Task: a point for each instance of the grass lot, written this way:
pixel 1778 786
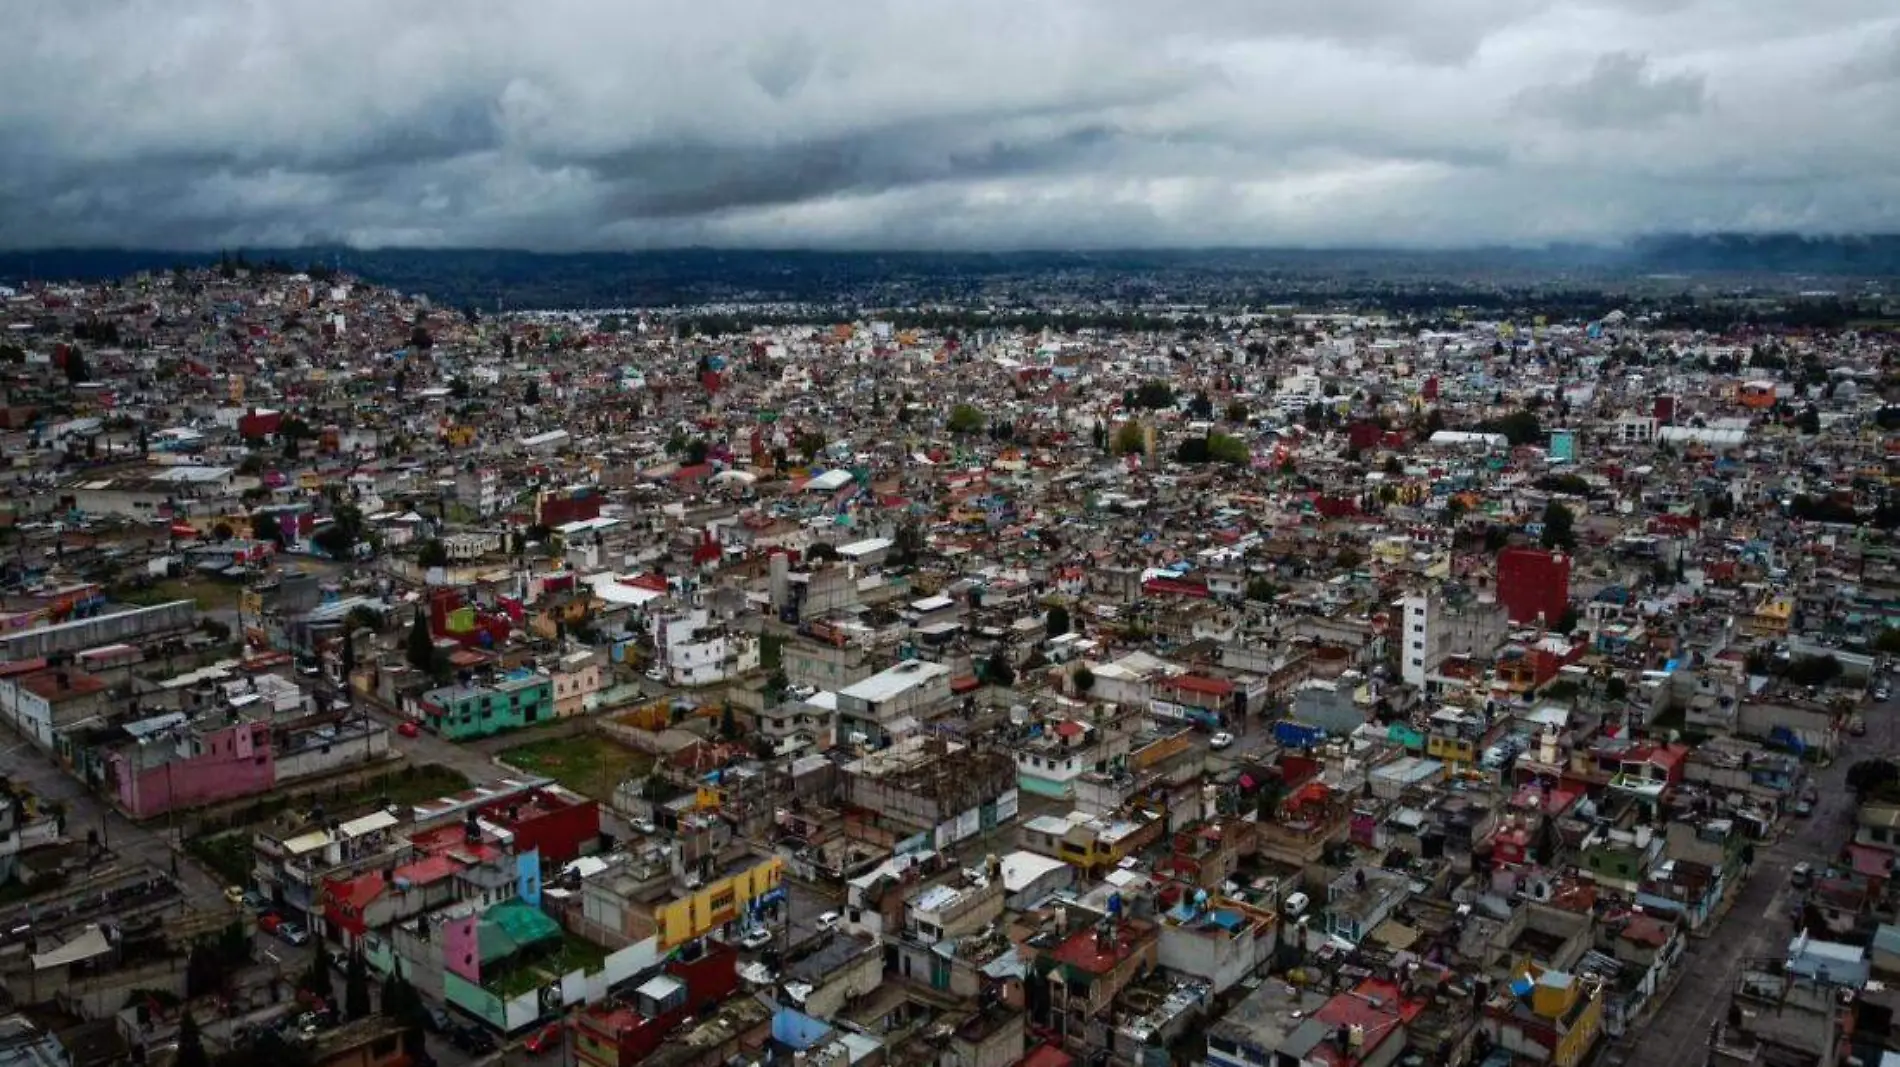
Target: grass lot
pixel 228 855
pixel 211 594
pixel 588 764
pixel 410 785
pixel 575 954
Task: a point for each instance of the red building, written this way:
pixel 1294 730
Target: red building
pixel 559 509
pixel 611 1036
pixel 1533 585
pixel 556 822
pixel 259 423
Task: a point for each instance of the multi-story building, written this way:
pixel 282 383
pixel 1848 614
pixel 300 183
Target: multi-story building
pixel 693 650
pixel 875 707
pixel 479 490
pixel 181 763
pixel 1533 585
pixel 462 711
pixel 1437 626
pixel 577 677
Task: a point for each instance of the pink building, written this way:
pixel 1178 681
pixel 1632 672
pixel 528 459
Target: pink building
pixel 192 767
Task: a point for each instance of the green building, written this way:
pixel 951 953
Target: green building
pixel 459 712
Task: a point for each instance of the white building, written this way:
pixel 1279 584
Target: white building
pixel 694 650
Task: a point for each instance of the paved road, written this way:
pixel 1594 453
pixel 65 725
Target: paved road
pixel 1758 925
pixel 85 812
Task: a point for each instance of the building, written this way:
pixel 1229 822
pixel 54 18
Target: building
pixel 1547 1017
pixel 1439 625
pixel 1533 585
pixel 876 707
pixel 463 711
pixel 614 1035
pixel 479 490
pixel 180 764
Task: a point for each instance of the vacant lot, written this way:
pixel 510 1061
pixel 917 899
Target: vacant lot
pixel 589 764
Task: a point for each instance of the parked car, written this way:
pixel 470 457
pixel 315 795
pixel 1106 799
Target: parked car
pixel 1220 740
pixel 1882 694
pixel 828 922
pixel 1803 808
pixel 234 895
pixel 255 901
pixel 437 1019
pixel 292 934
pixel 408 728
pixel 269 921
pixel 1857 726
pixel 546 1039
pixel 472 1039
pixel 756 938
pixel 646 826
pixel 1802 874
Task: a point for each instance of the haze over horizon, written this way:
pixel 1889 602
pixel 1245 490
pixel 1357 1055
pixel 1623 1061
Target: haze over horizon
pixel 585 124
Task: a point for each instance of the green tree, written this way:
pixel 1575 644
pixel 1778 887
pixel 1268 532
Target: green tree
pixel 1809 421
pixel 1261 591
pixel 1616 689
pixel 1559 527
pixel 1130 438
pixel 421 650
pixel 1056 622
pixel 1236 412
pixel 964 419
pixel 1154 395
pixel 340 536
pixel 532 396
pixel 356 1003
pixel 1888 641
pixel 1083 679
pixel 997 670
pixel 191 1044
pixel 316 977
pixel 1872 776
pixel 432 553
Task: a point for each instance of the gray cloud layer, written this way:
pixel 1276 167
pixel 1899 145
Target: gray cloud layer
pixel 568 124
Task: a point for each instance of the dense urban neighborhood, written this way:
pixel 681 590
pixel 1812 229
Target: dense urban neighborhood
pixel 390 684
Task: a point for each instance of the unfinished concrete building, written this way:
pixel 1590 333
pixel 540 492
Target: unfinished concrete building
pixel 929 786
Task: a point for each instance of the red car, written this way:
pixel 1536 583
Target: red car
pixel 409 729
pixel 269 922
pixel 546 1039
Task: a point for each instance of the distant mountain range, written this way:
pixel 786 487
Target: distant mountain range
pixel 491 278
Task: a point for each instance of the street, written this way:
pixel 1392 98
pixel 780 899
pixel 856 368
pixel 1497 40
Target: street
pixel 130 842
pixel 1758 925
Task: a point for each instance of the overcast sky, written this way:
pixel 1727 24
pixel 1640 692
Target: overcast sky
pixel 563 124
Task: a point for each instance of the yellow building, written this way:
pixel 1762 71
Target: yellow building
pixel 711 906
pixel 1548 1016
pixel 1771 618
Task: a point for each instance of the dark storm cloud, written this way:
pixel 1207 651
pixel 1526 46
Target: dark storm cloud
pixel 625 123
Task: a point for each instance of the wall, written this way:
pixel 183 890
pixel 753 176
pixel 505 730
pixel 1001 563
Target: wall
pixel 1532 582
pixel 228 767
pixel 338 755
pixel 856 978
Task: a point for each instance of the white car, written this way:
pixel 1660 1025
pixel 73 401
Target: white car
pixel 828 922
pixel 756 938
pixel 1220 740
pixel 646 826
